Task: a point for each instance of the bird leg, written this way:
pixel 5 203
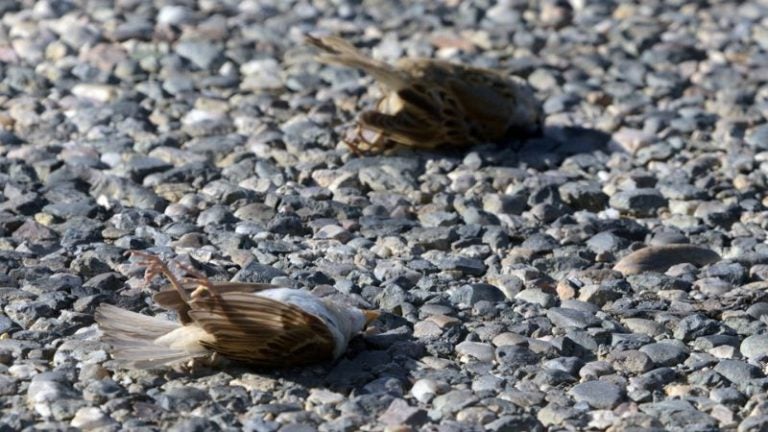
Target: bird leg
pixel 156 267
pixel 204 285
pixel 196 364
pixel 353 142
pixel 372 146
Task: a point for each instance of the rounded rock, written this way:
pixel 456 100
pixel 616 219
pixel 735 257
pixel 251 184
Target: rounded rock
pixel 597 394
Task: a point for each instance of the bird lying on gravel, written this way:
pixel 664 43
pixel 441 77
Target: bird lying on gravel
pixel 260 324
pixel 434 104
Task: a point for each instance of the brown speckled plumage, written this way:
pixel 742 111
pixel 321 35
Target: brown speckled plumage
pixel 431 104
pixel 260 324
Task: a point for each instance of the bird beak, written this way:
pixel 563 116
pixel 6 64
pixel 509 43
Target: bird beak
pixel 371 316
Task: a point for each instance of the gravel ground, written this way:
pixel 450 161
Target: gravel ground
pixel 206 131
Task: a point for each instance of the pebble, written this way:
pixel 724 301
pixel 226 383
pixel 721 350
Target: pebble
pixel 478 351
pixel 643 202
pixel 91 418
pixel 400 413
pixel 474 293
pixel 738 372
pixel 660 258
pixel 754 346
pixel 758 137
pixel 425 389
pixel 536 296
pixel 185 129
pixel 566 317
pixel 598 394
pixel 665 353
pixel 453 401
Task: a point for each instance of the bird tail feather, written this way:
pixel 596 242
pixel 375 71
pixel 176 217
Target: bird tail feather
pixel 339 51
pixel 133 338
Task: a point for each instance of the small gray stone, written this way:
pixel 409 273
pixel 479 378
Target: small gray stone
pixel 513 356
pixel 737 371
pixel 453 401
pixel 679 415
pixel 90 418
pixel 540 243
pixel 514 423
pixel 255 272
pixel 696 325
pixel 584 196
pixel 598 394
pixel 504 204
pixel 643 202
pixel 536 296
pixel 425 389
pixel 333 232
pixel 472 293
pixel 727 396
pixel 755 423
pixel 662 257
pixel 201 53
pixel 400 413
pixel 566 318
pixel 755 346
pixel 606 242
pixel 666 353
pixel 481 351
pixel 757 137
pixel 470 266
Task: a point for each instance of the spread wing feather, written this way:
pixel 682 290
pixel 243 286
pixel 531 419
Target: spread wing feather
pixel 262 331
pixel 172 300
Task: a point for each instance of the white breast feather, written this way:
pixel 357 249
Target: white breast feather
pixel 312 305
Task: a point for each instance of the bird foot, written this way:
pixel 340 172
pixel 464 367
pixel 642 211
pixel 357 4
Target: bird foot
pixel 198 363
pixel 156 267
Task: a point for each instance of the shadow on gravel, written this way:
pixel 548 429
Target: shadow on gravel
pixel 545 152
pixel 385 352
pixel 380 361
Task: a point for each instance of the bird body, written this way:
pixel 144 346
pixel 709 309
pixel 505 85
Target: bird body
pixel 260 324
pixel 431 104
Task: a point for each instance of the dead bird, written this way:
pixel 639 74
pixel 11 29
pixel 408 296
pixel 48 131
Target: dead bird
pixel 434 104
pixel 260 324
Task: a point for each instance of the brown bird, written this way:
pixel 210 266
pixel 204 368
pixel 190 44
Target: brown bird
pixel 261 324
pixel 430 104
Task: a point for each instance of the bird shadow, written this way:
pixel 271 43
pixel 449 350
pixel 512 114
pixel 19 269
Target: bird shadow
pixel 386 351
pixel 547 151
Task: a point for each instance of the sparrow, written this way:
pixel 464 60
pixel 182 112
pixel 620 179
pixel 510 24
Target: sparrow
pixel 435 104
pixel 260 324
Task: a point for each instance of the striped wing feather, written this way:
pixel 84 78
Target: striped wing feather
pixel 170 298
pixel 262 331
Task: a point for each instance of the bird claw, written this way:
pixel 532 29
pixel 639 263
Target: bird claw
pixel 202 287
pixel 203 284
pixel 194 365
pixel 156 267
pixel 360 145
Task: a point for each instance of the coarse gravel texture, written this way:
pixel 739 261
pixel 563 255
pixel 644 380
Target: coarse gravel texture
pixel 205 131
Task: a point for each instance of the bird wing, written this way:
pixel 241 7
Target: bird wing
pixel 171 299
pixel 483 104
pixel 339 51
pixel 493 102
pixel 262 331
pixel 403 127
